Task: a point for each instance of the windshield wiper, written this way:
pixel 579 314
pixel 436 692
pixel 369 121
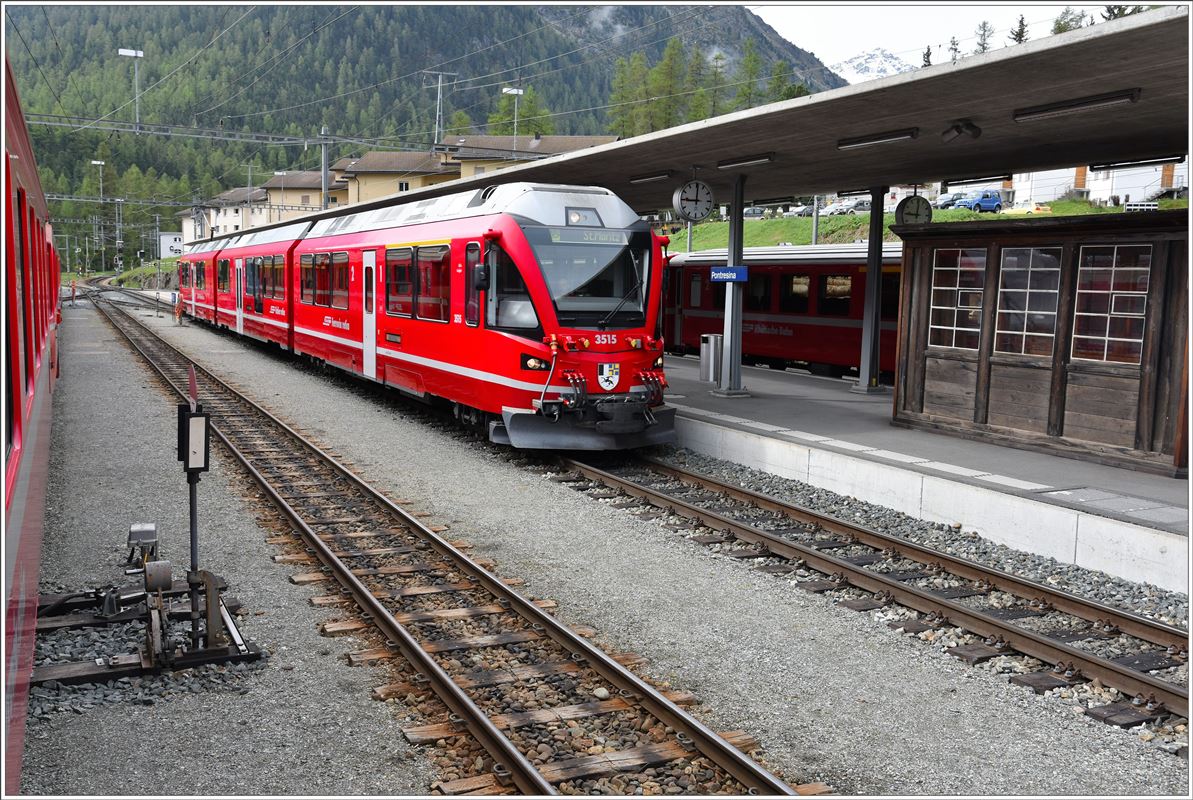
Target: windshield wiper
pixel 605 320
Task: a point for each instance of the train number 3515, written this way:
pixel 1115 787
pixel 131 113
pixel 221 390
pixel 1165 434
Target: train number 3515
pixel 606 338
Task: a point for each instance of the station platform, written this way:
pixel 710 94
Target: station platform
pixel 1130 524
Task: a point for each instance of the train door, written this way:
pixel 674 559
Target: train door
pixel 257 284
pixel 239 293
pixel 369 334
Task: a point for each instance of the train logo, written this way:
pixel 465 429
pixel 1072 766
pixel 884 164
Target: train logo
pixel 608 375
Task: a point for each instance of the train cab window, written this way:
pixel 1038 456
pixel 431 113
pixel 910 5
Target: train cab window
pixel 833 298
pixel 307 273
pixel 323 279
pixel 277 280
pixel 793 293
pixel 399 281
pixel 221 276
pixel 339 280
pixel 434 282
pixel 758 293
pixel 184 275
pixel 695 290
pixel 889 307
pixel 200 274
pixel 508 304
pixel 472 307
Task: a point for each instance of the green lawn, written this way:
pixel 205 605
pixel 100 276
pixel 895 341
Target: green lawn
pixel 851 228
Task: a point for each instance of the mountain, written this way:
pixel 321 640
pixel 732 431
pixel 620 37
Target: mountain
pixel 872 64
pixel 370 72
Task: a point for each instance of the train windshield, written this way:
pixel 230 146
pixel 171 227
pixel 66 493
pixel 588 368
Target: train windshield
pixel 598 278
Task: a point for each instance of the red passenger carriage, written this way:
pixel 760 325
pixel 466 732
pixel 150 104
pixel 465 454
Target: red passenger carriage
pixel 802 305
pixel 196 279
pixel 31 306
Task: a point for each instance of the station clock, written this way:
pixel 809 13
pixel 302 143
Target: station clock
pixel 914 210
pixel 693 201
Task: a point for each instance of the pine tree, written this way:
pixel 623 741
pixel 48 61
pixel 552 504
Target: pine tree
pixel 1019 33
pixel 984 32
pixel 460 124
pixel 779 87
pixel 748 73
pixel 954 50
pixel 666 83
pixel 699 107
pixel 533 116
pixel 621 110
pixel 1117 12
pixel 716 86
pixel 1068 20
pixel 927 57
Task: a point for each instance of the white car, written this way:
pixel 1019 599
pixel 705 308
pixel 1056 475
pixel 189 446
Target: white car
pixel 795 211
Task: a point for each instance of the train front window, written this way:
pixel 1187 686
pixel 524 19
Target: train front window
pixel 597 277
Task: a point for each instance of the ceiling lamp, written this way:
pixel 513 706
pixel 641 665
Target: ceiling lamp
pixel 1090 103
pixel 878 138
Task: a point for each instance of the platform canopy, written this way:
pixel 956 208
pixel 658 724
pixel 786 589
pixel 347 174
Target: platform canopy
pixel 1137 65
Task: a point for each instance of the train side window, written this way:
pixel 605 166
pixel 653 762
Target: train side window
pixel 758 293
pixel 250 276
pixel 889 307
pixel 22 263
pixel 323 279
pixel 695 290
pixel 509 304
pixel 184 275
pixel 399 281
pixel 718 295
pixel 307 292
pixel 339 280
pixel 200 275
pixel 16 315
pixel 793 293
pixel 434 282
pixel 221 276
pixel 278 280
pixel 833 298
pixel 472 305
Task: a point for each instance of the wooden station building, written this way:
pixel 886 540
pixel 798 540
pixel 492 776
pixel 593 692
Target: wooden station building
pixel 1065 334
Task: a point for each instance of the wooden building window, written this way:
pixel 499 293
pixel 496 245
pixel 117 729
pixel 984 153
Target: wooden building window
pixel 958 275
pixel 1027 292
pixel 1112 286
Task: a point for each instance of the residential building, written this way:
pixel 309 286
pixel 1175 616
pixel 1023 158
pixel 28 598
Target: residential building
pixel 381 173
pixel 296 193
pixel 476 155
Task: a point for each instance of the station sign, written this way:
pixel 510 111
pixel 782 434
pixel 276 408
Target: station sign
pixel 729 274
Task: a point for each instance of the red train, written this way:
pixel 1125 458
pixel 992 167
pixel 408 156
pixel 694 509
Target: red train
pixel 802 306
pixel 31 281
pixel 533 310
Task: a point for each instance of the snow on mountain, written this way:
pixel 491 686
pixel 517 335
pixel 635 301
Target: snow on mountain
pixel 876 63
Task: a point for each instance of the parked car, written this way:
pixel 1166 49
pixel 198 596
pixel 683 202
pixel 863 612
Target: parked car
pixel 981 200
pixel 1028 207
pixel 850 205
pixel 798 211
pixel 753 212
pixel 948 199
pixel 807 211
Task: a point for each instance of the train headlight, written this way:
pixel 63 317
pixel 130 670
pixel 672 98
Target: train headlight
pixel 658 363
pixel 534 362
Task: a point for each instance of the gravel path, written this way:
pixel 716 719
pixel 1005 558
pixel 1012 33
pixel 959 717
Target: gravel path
pixel 832 695
pixel 300 723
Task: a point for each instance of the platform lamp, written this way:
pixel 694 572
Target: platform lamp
pixel 103 254
pixel 516 92
pixel 136 56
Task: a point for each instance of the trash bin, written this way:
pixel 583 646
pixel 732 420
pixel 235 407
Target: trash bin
pixel 710 357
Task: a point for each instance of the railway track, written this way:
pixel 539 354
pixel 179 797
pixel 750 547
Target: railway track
pixel 552 712
pixel 1012 614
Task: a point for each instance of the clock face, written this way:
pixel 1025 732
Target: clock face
pixel 693 200
pixel 914 210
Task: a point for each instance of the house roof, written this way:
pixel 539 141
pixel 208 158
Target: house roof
pixel 396 161
pixel 516 148
pixel 305 179
pixel 239 196
pixel 344 163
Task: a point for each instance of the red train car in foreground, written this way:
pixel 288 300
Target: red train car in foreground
pixel 802 306
pixel 31 310
pixel 533 310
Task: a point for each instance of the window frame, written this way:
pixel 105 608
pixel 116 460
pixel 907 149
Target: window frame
pixel 339 280
pixel 1004 312
pixel 822 298
pixel 473 299
pixel 1111 295
pixel 411 280
pixel 444 266
pixel 786 283
pixel 935 300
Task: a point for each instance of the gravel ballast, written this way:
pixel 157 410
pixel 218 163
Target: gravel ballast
pixel 831 694
pixel 299 722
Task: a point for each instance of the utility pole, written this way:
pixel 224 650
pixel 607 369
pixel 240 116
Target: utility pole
pixel 438 104
pixel 815 217
pixel 157 236
pixel 120 234
pixel 103 250
pixel 323 141
pixel 516 93
pixel 248 200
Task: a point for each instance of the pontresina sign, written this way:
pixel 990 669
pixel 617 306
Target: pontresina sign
pixel 729 275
